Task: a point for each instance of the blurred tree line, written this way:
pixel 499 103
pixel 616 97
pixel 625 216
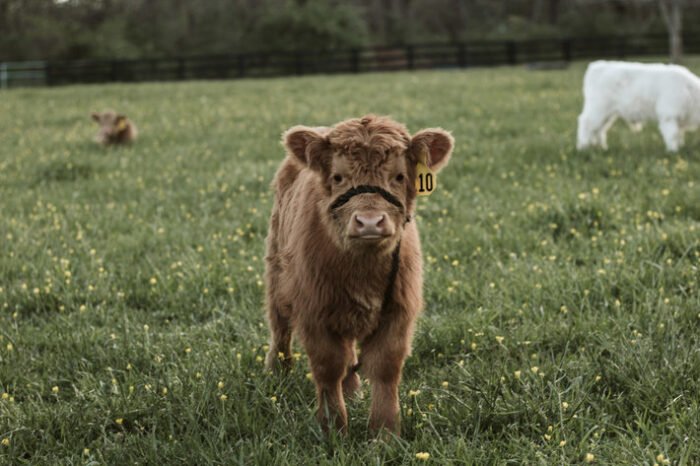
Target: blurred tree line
pixel 81 29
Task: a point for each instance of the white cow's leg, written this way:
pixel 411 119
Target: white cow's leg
pixel 590 123
pixel 672 134
pixel 603 131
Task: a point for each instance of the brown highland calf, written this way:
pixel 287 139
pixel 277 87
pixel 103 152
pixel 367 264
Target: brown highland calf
pixel 114 128
pixel 343 258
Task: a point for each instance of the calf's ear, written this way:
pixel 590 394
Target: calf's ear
pixel 436 143
pixel 308 145
pixel 95 116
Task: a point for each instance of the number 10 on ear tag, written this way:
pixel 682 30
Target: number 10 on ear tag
pixel 426 181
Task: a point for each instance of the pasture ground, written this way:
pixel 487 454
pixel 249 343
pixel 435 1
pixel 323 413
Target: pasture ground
pixel 563 305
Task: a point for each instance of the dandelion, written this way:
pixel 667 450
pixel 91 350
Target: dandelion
pixel 86 451
pixel 589 458
pixel 273 399
pixel 164 391
pixel 10 347
pixel 445 384
pixel 5 442
pixel 423 456
pixel 517 374
pixel 473 346
pixel 153 281
pixel 534 369
pixel 500 339
pixel 119 421
pixel 220 385
pixel 562 443
pixel 661 459
pixel 414 393
pixel 55 389
pixel 5 396
pixel 309 376
pixel 223 397
pixel 564 405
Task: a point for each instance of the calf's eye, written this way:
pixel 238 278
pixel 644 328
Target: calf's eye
pixel 399 177
pixel 337 178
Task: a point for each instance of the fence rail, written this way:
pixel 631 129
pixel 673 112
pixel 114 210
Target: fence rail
pixel 388 58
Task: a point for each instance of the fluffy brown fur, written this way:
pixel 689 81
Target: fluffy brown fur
pixel 327 272
pixel 114 128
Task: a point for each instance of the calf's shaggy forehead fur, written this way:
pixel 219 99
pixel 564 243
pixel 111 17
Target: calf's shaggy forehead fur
pixel 370 140
pixel 333 287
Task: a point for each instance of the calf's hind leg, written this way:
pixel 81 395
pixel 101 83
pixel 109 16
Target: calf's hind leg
pixel 351 382
pixel 280 353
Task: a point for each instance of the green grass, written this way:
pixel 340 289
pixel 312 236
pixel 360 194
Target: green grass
pixel 562 288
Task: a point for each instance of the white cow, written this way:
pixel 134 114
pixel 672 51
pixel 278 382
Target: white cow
pixel 638 92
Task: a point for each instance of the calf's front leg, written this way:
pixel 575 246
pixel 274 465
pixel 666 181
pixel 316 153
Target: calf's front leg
pixel 382 358
pixel 330 357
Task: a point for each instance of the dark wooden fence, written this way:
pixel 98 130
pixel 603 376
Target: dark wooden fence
pixel 541 52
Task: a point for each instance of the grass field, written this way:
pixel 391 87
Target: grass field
pixel 562 319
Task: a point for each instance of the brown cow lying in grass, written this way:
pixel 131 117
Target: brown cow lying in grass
pixel 343 258
pixel 114 128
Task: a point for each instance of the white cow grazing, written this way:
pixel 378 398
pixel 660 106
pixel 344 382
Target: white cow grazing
pixel 638 92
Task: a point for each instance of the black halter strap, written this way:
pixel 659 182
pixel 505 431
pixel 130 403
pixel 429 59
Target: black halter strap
pixel 389 287
pixel 364 189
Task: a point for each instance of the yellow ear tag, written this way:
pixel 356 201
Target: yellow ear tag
pixel 121 126
pixel 426 181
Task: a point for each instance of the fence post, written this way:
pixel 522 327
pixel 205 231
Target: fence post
pixel 241 66
pixel 113 75
pixel 355 61
pixel 566 49
pixel 48 74
pixel 461 55
pixel 511 52
pixel 621 46
pixel 3 75
pixel 181 68
pixel 410 57
pixel 298 63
